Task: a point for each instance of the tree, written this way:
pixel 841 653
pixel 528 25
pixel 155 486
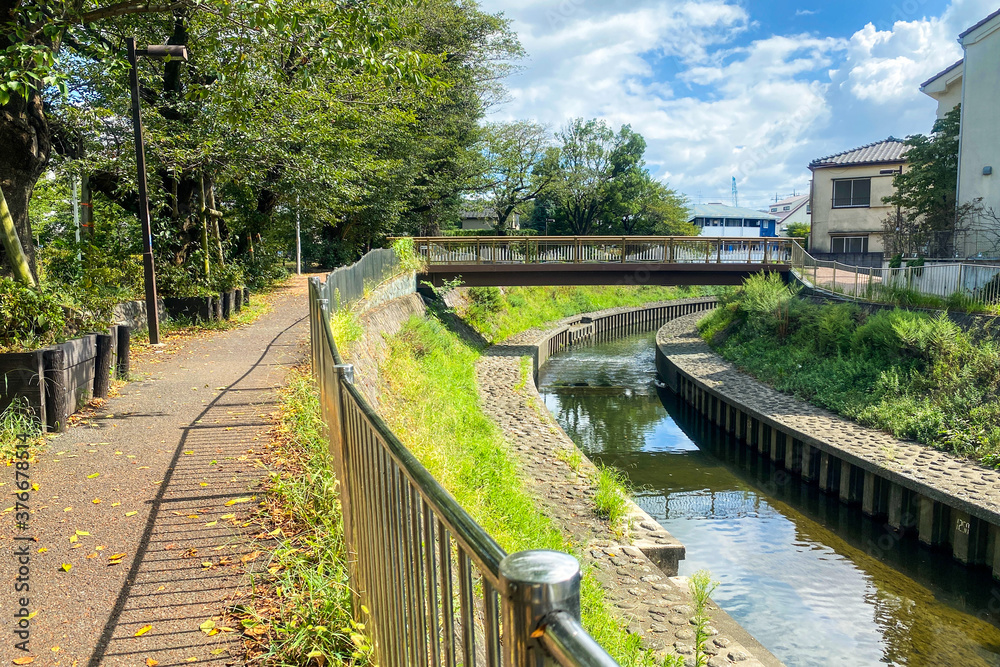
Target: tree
pixel 592 156
pixel 925 193
pixel 518 163
pixel 639 204
pixel 303 41
pixel 799 230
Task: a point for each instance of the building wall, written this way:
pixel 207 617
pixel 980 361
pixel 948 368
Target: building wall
pixel 798 216
pixel 949 99
pixel 827 220
pixel 980 143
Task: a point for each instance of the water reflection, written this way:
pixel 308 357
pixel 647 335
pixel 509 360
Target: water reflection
pixel 814 581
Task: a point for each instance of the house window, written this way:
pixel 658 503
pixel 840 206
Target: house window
pixel 730 222
pixel 753 223
pixel 774 209
pixel 787 208
pixel 852 193
pixel 849 244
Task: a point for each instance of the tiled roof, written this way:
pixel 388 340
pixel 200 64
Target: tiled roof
pixel 889 150
pixel 981 23
pixel 941 73
pixel 724 211
pixel 484 213
pixel 795 203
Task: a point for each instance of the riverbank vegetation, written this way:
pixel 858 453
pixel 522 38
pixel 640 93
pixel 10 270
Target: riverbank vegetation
pixel 500 313
pixel 432 402
pixel 915 375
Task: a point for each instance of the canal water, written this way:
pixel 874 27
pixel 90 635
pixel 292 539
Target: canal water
pixel 814 581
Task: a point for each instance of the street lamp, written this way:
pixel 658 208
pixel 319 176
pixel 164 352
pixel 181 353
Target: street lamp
pixel 157 51
pixel 547 221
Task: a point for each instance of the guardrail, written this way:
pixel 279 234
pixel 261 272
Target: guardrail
pixel 603 250
pixel 970 283
pixel 439 589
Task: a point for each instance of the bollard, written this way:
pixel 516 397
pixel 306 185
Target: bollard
pixel 102 370
pixel 121 356
pixel 535 584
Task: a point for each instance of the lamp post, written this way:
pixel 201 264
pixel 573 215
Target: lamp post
pixel 547 221
pixel 158 51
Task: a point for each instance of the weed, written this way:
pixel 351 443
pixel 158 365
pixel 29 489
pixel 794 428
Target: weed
pixel 18 422
pixel 527 368
pixel 346 328
pixel 611 499
pixel 701 587
pixel 572 457
pixel 314 623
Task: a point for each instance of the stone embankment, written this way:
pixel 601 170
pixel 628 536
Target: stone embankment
pixel 638 569
pixel 947 501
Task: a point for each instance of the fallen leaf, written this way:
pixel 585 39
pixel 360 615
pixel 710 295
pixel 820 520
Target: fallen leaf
pixel 143 630
pixel 250 556
pixel 115 504
pixel 151 663
pixel 82 533
pixel 66 567
pixel 207 626
pixel 206 564
pixel 68 509
pixel 218 651
pixel 211 523
pixel 96 501
pixel 72 539
pixel 130 513
pixel 26 660
pixel 96 474
pixel 228 516
pixel 238 500
pixel 43 550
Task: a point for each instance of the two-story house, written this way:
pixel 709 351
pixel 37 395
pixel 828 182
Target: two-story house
pixel 847 209
pixel 719 219
pixel 974 82
pixel 791 210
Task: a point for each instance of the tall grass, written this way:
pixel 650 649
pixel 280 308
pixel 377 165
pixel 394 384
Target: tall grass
pixel 498 314
pixel 432 403
pixel 309 587
pixel 915 375
pixel 18 423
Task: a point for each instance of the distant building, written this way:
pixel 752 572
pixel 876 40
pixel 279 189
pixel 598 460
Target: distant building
pixel 486 218
pixel 791 210
pixel 847 207
pixel 974 82
pixel 723 220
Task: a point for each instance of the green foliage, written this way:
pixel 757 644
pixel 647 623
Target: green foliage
pixel 701 587
pixel 526 307
pixel 346 328
pixel 486 300
pixel 409 260
pixel 914 375
pixel 800 230
pixel 433 404
pixel 17 421
pixel 611 498
pixel 226 278
pixel 315 618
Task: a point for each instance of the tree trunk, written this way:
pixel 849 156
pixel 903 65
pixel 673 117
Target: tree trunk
pixel 25 143
pixel 13 249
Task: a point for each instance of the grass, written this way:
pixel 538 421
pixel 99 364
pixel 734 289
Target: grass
pixel 432 403
pixel 17 424
pixel 917 376
pixel 498 314
pixel 701 586
pixel 611 499
pixel 302 613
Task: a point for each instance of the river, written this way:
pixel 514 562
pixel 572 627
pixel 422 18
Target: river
pixel 814 581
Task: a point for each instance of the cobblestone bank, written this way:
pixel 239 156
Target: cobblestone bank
pixel 946 500
pixel 656 606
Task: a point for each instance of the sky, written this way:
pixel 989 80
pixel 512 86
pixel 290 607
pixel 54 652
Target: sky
pixel 752 89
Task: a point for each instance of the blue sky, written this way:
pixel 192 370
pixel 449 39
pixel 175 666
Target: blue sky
pixel 721 88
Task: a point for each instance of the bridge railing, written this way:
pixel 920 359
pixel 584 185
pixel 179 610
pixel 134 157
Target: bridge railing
pixel 603 250
pixel 438 588
pixel 967 284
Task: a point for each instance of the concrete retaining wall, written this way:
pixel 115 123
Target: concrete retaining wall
pixel 948 502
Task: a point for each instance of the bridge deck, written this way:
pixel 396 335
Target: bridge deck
pixel 629 260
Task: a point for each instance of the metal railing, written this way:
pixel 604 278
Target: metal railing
pixel 439 589
pixel 970 283
pixel 603 249
pixel 348 283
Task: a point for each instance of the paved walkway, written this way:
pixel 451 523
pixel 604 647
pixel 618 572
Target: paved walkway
pixel 165 476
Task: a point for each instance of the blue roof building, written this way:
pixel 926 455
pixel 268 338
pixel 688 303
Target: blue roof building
pixel 732 221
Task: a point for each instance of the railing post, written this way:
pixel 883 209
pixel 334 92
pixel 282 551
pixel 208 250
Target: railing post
pixel 533 585
pixel 623 250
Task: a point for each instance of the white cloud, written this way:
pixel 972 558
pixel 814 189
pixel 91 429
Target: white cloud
pixel 806 12
pixel 712 104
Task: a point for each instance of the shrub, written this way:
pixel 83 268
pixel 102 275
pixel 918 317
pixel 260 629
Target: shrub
pixel 489 299
pixel 29 317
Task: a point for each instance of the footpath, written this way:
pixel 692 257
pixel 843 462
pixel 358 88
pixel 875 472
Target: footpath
pixel 138 530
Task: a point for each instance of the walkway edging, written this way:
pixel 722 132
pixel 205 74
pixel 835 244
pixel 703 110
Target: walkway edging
pixel 860 465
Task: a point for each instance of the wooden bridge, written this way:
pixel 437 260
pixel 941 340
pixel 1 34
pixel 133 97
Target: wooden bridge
pixel 601 260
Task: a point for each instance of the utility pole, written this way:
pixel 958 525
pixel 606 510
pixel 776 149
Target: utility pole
pixel 76 219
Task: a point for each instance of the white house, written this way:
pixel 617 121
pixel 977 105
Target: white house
pixel 791 210
pixel 731 221
pixel 486 218
pixel 974 82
